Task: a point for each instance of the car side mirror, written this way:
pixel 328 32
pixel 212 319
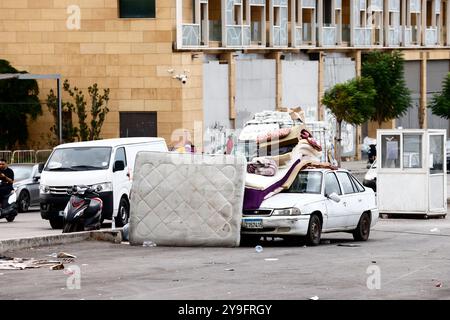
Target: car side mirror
pixel 36 178
pixel 119 165
pixel 334 197
pixel 369 166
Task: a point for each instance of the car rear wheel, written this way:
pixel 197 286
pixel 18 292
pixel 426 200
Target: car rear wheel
pixel 24 201
pixel 362 231
pixel 314 231
pixel 56 223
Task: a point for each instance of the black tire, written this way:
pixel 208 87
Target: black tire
pixel 314 231
pixel 362 231
pixel 70 227
pixel 249 240
pixel 10 218
pixel 123 213
pixel 56 223
pixel 24 201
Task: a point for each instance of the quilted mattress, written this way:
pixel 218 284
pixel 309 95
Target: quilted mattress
pixel 187 199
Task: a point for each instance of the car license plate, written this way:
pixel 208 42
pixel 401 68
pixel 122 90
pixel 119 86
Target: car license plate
pixel 61 213
pixel 252 223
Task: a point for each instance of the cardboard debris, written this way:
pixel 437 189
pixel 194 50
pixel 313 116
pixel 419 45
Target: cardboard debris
pixel 58 266
pixel 7 263
pixel 66 255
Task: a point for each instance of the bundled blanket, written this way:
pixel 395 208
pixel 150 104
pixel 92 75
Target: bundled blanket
pixel 262 166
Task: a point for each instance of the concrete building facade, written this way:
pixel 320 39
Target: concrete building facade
pixel 211 64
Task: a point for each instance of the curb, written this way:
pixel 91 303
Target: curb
pixel 114 236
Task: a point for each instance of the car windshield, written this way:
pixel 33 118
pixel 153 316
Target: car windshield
pixel 79 159
pixel 306 182
pixel 21 172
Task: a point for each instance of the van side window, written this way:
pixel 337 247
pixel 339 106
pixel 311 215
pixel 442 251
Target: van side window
pixel 121 156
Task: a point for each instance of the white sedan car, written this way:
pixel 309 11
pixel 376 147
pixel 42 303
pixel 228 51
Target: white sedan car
pixel 319 201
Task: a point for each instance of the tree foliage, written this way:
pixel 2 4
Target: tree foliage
pixel 352 102
pixel 440 104
pixel 392 96
pixel 18 102
pixel 69 132
pixel 97 105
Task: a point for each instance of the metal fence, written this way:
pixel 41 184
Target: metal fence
pixel 25 156
pixel 6 154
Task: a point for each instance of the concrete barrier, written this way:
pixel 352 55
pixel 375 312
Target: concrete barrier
pixel 114 236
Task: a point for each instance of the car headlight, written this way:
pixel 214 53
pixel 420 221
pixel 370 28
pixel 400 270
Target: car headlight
pixel 43 189
pixel 102 187
pixel 286 212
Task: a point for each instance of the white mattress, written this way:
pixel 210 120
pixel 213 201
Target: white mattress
pixel 187 200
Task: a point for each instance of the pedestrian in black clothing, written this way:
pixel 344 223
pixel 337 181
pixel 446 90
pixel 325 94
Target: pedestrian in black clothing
pixel 6 182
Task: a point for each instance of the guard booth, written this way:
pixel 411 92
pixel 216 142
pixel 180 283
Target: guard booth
pixel 412 172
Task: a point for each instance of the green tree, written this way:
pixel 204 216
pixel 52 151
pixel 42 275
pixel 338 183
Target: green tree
pixel 79 108
pixel 98 110
pixel 69 132
pixel 440 104
pixel 352 102
pixel 392 96
pixel 18 102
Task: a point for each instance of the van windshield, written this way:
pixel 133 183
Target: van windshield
pixel 79 159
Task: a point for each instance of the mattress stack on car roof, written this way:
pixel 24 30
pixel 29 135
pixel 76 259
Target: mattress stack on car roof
pixel 288 146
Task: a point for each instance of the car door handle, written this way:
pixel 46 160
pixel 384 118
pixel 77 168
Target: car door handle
pixel 359 200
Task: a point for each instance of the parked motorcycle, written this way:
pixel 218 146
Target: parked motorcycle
pixel 83 211
pixel 10 212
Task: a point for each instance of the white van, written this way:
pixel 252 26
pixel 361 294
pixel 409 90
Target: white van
pixel 107 164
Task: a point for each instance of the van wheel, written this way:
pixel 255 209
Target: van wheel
pixel 314 231
pixel 362 231
pixel 123 213
pixel 56 223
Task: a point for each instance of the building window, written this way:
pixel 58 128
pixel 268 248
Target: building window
pixel 137 9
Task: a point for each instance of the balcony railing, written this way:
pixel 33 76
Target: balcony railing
pixel 329 36
pixel 191 35
pixel 414 6
pixel 234 36
pixel 309 3
pixel 407 36
pixel 377 5
pixel 278 38
pixel 363 36
pixel 431 36
pixel 394 36
pixel 394 5
pixel 307 34
pixel 298 36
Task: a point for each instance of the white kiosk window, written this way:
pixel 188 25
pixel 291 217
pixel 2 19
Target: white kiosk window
pixel 436 154
pixel 412 150
pixel 390 145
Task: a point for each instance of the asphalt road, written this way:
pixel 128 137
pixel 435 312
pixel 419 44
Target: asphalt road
pixel 411 257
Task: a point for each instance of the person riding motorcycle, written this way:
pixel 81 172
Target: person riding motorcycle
pixel 6 183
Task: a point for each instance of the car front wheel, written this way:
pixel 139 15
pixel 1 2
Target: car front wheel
pixel 24 201
pixel 314 231
pixel 123 213
pixel 362 231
